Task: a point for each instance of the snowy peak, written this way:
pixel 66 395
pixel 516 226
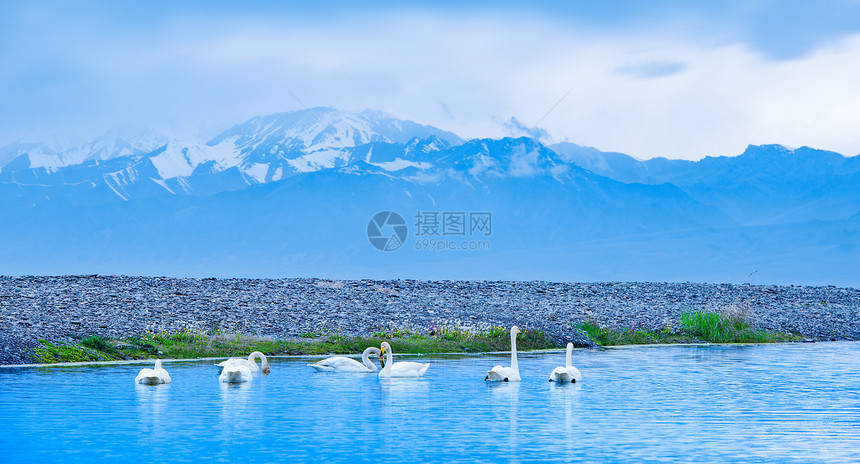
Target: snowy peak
pixel 507 157
pixel 274 146
pixel 323 128
pixel 21 156
pixel 766 155
pixel 767 150
pixel 262 149
pixel 115 144
pixel 418 153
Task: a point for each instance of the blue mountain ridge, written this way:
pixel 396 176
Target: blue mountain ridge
pixel 768 184
pixel 296 198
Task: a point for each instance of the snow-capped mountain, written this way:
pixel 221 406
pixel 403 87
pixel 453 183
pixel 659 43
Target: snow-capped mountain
pixel 291 194
pixel 116 143
pixel 787 184
pixel 270 148
pixel 262 149
pixel 20 156
pixel 314 139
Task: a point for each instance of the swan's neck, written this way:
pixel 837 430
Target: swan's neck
pixel 157 364
pixel 569 353
pixel 389 359
pixel 264 363
pixel 514 351
pixel 365 358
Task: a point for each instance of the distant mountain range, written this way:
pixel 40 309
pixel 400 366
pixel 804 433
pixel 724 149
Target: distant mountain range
pixel 292 194
pixel 264 149
pixel 768 184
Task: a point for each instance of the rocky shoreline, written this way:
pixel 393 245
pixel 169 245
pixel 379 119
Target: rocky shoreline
pixel 66 308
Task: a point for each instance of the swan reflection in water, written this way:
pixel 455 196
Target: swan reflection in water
pixel 507 394
pixel 236 404
pixel 152 407
pixel 564 397
pixel 152 399
pixel 402 392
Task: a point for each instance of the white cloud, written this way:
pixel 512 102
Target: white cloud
pixel 523 162
pixel 645 93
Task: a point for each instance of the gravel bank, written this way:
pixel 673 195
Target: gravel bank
pixel 69 307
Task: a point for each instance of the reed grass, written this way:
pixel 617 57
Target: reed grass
pixel 726 325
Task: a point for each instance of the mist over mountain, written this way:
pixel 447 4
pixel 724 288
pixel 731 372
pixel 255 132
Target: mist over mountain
pixel 291 194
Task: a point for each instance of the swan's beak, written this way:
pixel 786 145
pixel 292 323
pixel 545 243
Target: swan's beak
pixel 266 370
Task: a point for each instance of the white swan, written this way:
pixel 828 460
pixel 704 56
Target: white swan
pixel 155 376
pixel 568 373
pixel 250 363
pixel 507 374
pixel 399 369
pixel 344 364
pixel 236 373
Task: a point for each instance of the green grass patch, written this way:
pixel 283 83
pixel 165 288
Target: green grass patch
pixel 189 344
pixel 48 352
pixel 605 336
pixel 728 326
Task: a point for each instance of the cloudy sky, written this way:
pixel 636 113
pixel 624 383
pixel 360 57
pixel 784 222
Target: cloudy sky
pixel 668 78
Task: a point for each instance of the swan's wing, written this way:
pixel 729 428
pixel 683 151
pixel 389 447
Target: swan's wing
pixel 240 362
pixel 574 373
pixel 559 374
pixel 321 367
pixel 342 364
pixel 408 369
pixel 494 376
pixel 234 367
pixel 332 361
pixel 512 374
pixel 499 374
pixel 152 376
pixel 163 375
pixel 409 364
pixel 144 376
pixel 235 373
pixel 227 362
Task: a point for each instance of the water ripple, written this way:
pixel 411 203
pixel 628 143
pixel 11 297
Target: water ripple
pixel 791 403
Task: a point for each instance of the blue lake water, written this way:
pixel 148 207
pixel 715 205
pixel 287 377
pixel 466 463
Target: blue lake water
pixel 788 403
